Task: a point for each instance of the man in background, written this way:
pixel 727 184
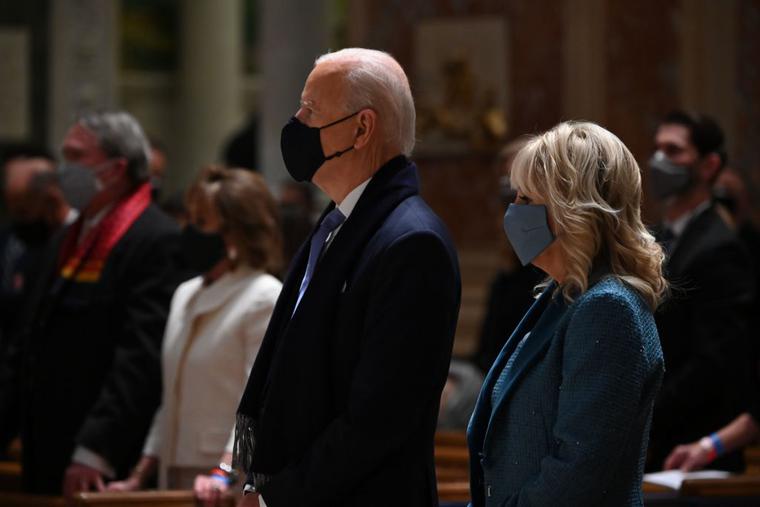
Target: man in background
pixel 89 377
pixel 36 209
pixel 703 327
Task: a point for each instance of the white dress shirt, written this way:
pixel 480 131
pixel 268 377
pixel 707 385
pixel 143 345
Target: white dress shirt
pixel 678 225
pixel 346 207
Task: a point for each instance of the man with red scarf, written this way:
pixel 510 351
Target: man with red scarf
pixel 89 373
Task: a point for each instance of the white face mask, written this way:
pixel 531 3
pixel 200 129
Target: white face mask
pixel 79 183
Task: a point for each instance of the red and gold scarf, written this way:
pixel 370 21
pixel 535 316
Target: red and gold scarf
pixel 83 261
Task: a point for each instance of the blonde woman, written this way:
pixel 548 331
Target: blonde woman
pixel 563 416
pixel 216 324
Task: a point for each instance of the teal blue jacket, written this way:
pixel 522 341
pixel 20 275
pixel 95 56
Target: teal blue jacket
pixel 571 425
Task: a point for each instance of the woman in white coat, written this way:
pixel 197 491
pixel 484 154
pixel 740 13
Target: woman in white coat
pixel 215 326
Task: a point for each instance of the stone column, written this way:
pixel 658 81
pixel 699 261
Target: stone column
pixel 83 61
pixel 584 60
pixel 293 34
pixel 209 83
pixel 708 32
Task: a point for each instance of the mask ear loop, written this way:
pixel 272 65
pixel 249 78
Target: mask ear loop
pixel 340 152
pixel 340 120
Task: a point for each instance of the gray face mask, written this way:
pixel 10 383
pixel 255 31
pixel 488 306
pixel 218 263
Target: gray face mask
pixel 527 229
pixel 667 179
pixel 79 184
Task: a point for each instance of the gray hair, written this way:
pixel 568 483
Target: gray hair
pixel 120 135
pixel 375 79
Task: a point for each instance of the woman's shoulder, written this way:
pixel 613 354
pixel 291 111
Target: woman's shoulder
pixel 613 304
pixel 611 290
pixel 188 288
pixel 613 316
pixel 261 286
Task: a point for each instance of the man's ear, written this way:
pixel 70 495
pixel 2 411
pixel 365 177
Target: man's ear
pixel 367 122
pixel 709 167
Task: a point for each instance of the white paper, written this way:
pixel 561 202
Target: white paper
pixel 673 479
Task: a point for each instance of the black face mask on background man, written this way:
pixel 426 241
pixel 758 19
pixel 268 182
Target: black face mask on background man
pixel 302 150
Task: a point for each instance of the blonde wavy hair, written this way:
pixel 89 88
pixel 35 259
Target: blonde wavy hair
pixel 592 187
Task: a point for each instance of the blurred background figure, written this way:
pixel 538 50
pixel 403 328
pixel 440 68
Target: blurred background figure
pixel 512 289
pixel 731 195
pixel 299 214
pixel 241 150
pixel 157 166
pixel 742 431
pixel 37 210
pixel 88 378
pixel 216 323
pixel 510 294
pixel 704 325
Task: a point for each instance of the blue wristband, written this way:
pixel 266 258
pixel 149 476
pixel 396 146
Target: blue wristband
pixel 718 444
pixel 224 480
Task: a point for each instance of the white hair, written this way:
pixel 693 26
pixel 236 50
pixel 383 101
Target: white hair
pixel 375 79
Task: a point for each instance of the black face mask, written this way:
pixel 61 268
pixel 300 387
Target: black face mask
pixel 32 234
pixel 202 251
pixel 301 148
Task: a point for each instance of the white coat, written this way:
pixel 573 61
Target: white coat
pixel 211 340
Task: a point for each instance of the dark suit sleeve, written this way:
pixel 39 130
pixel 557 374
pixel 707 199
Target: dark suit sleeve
pixel 13 364
pixel 604 372
pixel 407 340
pixel 10 387
pixel 119 420
pixel 717 326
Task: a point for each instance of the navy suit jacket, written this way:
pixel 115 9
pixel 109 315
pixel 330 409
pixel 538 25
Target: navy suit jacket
pixel 341 404
pixel 571 425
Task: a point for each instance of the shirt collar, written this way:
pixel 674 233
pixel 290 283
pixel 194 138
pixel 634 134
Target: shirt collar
pixel 71 216
pixel 348 204
pixel 90 223
pixel 678 225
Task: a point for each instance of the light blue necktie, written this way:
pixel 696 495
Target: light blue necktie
pixel 329 224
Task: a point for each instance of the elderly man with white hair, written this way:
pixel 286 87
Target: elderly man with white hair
pixel 341 404
pixel 90 375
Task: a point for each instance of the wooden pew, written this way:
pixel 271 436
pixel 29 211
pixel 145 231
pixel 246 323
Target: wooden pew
pixel 143 499
pixel 452 466
pixel 736 486
pixel 452 459
pixel 454 491
pixel 109 499
pixel 10 476
pixel 752 460
pixel 23 500
pixel 451 439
